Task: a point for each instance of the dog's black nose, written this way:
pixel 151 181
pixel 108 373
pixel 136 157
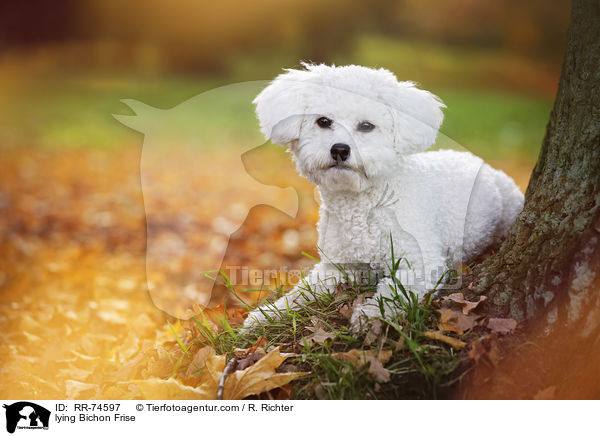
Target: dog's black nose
pixel 340 152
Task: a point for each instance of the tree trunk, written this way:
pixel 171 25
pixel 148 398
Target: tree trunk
pixel 550 262
pixel 546 274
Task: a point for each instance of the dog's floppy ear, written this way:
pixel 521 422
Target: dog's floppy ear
pixel 417 117
pixel 279 108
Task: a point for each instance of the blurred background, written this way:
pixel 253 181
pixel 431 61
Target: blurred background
pixel 73 288
pixel 65 65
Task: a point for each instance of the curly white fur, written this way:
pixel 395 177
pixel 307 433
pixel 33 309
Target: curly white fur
pixel 441 208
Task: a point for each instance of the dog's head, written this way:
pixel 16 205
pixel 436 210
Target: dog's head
pixel 347 126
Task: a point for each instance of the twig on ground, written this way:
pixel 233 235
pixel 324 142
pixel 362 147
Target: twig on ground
pixel 228 369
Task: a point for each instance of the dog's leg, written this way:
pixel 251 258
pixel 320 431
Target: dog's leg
pixel 417 279
pixel 386 299
pixel 322 279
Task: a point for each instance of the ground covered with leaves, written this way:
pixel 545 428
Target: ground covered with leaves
pixel 75 310
pixel 424 352
pixel 77 320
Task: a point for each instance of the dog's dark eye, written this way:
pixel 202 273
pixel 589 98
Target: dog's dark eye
pixel 365 126
pixel 324 122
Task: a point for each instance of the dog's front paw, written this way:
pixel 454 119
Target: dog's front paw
pixel 273 310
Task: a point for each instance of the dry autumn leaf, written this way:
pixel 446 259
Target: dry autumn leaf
pixel 211 373
pixel 198 361
pixel 502 325
pixel 446 327
pixel 260 377
pixel 319 334
pixel 169 389
pixel 439 336
pixel 467 306
pixel 456 321
pixel 234 315
pixel 255 379
pixel 374 359
pixel 85 236
pixel 203 388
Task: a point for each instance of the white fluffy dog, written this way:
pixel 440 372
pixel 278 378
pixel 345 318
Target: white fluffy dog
pixel 360 135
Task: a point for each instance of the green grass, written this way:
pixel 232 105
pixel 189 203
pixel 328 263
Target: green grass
pixel 75 111
pixel 496 125
pixel 419 367
pixel 487 113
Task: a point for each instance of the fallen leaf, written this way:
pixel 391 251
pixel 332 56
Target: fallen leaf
pixel 172 389
pixel 211 373
pixel 354 355
pixel 159 364
pixel 198 361
pixel 372 358
pixel 132 368
pixel 190 381
pixel 502 325
pixel 467 306
pixel 439 336
pixel 260 377
pixel 377 370
pixel 319 334
pixel 169 389
pixel 445 327
pixel 456 321
pixel 546 394
pixel 234 315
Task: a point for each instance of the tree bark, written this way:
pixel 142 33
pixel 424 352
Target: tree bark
pixel 549 265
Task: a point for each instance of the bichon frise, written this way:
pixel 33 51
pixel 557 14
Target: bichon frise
pixel 360 135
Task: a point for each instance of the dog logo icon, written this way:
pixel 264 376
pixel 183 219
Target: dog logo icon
pixel 26 415
pixel 196 128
